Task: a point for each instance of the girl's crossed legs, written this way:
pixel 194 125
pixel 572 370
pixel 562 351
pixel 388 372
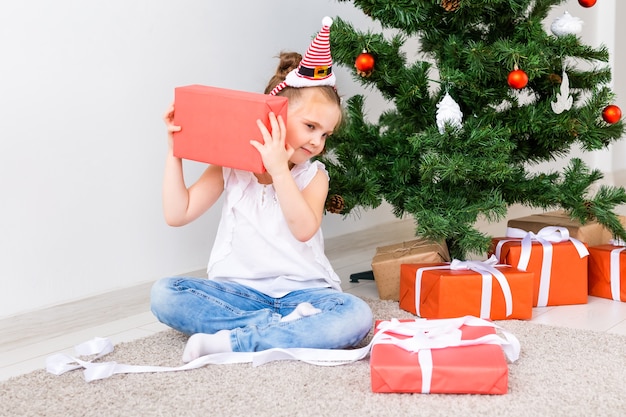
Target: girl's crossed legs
pixel 241 319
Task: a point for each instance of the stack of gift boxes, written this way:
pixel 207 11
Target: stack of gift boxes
pixel 544 260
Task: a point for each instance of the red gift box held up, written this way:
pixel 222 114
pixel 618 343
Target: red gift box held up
pixel 559 262
pixel 482 289
pixel 217 125
pixel 607 271
pixel 446 356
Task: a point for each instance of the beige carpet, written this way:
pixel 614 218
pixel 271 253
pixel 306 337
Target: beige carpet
pixel 561 372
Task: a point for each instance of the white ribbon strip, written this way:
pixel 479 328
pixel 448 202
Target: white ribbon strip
pixel 486 269
pixel 425 359
pixel 615 273
pixel 418 285
pixel 423 335
pixel 545 236
pixel 60 363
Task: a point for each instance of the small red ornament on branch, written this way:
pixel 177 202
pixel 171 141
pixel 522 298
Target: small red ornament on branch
pixel 587 3
pixel 364 64
pixel 517 78
pixel 612 114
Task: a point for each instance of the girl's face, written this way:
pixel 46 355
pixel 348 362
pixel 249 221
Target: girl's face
pixel 310 120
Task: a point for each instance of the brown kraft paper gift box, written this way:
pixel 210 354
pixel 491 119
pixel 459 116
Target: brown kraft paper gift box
pixel 387 260
pixel 592 233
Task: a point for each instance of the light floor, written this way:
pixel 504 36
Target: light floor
pixel 124 315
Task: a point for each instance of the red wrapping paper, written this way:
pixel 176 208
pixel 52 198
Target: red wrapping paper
pixel 218 125
pixel 600 272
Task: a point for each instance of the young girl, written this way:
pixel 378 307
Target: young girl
pixel 269 282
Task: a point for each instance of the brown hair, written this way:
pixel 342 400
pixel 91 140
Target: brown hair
pixel 288 62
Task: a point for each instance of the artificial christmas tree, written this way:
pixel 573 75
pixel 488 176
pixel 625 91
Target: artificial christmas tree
pixel 466 127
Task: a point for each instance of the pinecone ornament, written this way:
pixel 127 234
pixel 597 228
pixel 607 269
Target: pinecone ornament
pixel 335 204
pixel 555 78
pixel 451 5
pixel 589 206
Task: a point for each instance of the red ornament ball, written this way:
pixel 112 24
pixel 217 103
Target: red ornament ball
pixel 612 114
pixel 364 64
pixel 587 3
pixel 517 79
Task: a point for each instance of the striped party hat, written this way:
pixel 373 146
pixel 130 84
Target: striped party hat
pixel 316 67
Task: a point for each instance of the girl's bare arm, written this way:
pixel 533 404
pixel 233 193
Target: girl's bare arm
pixel 182 204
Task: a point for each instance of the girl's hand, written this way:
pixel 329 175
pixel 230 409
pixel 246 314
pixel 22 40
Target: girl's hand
pixel 274 152
pixel 168 118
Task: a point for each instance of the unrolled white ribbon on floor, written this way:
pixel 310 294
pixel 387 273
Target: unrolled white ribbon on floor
pixel 486 269
pixel 545 236
pixel 421 336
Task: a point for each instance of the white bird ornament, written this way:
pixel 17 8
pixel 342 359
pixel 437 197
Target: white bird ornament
pixel 564 100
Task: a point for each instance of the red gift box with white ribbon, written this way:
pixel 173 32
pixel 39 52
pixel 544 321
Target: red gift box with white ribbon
pixel 447 356
pixel 607 271
pixel 559 262
pixel 479 288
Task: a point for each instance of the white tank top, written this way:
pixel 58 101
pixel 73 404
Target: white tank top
pixel 254 245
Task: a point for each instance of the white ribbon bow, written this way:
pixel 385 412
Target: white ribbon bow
pixel 545 236
pixel 486 269
pixel 426 335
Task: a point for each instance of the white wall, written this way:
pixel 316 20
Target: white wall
pixel 601 28
pixel 619 79
pixel 83 85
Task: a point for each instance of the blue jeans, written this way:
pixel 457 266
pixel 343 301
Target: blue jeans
pixel 196 305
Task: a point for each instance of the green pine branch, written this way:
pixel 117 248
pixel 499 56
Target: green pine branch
pixel 447 180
